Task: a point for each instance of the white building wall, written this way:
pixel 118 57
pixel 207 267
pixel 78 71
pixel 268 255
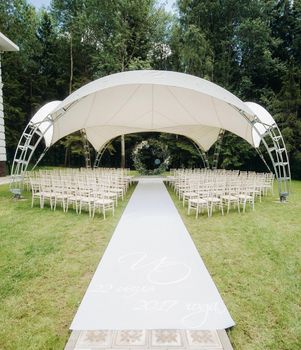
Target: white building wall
pixel 2 131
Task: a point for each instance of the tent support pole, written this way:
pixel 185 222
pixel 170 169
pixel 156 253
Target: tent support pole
pixel 100 154
pixel 202 154
pixel 217 149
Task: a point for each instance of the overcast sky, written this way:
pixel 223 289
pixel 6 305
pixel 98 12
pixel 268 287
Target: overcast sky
pixel 40 3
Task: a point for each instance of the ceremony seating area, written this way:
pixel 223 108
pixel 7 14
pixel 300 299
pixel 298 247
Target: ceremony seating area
pixel 209 190
pixel 91 189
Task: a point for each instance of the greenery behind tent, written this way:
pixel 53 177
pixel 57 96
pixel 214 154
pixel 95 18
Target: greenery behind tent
pixel 253 49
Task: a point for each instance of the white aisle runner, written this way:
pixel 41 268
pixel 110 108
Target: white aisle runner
pixel 151 275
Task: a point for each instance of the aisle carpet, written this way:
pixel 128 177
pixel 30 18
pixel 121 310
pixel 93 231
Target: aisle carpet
pixel 151 275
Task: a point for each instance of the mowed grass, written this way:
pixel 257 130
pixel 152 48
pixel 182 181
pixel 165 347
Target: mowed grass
pixel 254 259
pixel 47 260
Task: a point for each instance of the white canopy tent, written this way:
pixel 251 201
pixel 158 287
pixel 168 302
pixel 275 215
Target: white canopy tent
pixel 146 100
pixel 139 101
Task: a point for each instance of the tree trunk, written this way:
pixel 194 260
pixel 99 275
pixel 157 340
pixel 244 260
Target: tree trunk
pixel 66 157
pixel 71 64
pixel 122 152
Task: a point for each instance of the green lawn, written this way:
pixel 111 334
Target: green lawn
pixel 48 258
pixel 254 259
pixel 46 262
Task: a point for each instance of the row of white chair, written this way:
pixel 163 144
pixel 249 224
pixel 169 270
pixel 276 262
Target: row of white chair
pixel 206 190
pixel 92 190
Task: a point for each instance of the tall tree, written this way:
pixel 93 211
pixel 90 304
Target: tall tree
pixel 125 33
pixel 18 21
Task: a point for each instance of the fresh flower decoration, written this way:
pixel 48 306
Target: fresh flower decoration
pixel 151 157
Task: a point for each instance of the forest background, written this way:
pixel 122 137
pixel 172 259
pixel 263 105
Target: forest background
pixel 250 47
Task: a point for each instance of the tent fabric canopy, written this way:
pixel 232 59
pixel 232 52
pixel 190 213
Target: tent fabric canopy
pixel 146 100
pixel 46 127
pixel 6 44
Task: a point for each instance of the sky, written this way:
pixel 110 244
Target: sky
pixel 40 3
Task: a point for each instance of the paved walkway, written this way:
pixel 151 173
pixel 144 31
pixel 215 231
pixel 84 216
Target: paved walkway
pixel 166 339
pixel 151 287
pixel 4 180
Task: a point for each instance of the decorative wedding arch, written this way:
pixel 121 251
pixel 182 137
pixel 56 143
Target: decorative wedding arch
pixel 147 100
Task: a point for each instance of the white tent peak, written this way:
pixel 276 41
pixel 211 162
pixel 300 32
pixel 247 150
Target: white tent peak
pixel 156 77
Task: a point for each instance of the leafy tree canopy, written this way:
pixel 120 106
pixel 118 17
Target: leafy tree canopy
pixel 251 47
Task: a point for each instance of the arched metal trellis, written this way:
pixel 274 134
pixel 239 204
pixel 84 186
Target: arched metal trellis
pixel 28 143
pixel 203 155
pixel 100 154
pixel 30 139
pixel 274 143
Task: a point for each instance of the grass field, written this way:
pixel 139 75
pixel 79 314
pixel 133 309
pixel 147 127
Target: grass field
pixel 254 259
pixel 48 258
